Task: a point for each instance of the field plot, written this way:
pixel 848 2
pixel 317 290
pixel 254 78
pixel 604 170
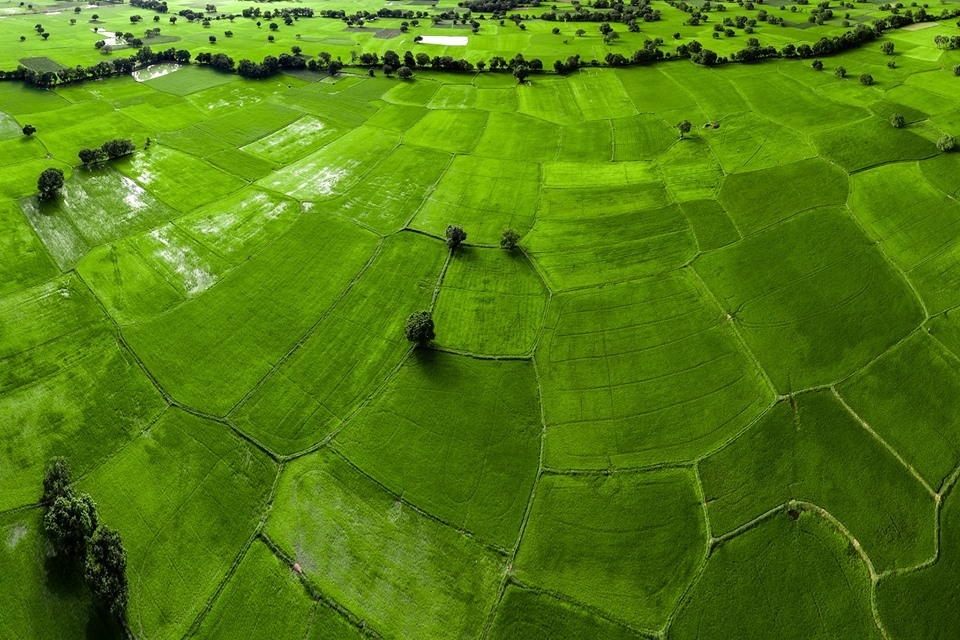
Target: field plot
pixel 802 566
pixel 818 453
pixel 334 522
pixel 477 478
pixel 492 302
pixel 187 494
pixel 316 387
pixel 917 604
pixel 525 613
pixel 917 225
pixel 264 599
pixel 605 355
pixel 813 299
pixel 712 392
pixel 483 195
pixel 274 299
pixel 578 542
pixel 66 387
pixel 909 397
pixel 332 170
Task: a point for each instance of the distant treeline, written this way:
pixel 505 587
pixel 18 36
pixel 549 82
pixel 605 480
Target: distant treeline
pixel 650 53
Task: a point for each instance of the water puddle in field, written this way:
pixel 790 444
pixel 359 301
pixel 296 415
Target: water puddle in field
pixel 450 41
pixel 155 71
pixel 108 41
pixel 16 535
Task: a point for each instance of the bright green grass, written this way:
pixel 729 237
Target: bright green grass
pixel 916 225
pixel 389 195
pixel 591 236
pixel 514 136
pixel 642 373
pixel 748 142
pixel 187 80
pixel 477 477
pixel 759 199
pixel 239 225
pixel 172 175
pixel 66 386
pixel 255 316
pixel 264 599
pixel 710 223
pixel 920 604
pixel 336 523
pixel 818 453
pixel 294 140
pixel 332 170
pixel 690 171
pixel 642 137
pixel 484 196
pixel 588 141
pixel 186 496
pixel 23 259
pixel 251 123
pixel 66 143
pixel 525 613
pixel 784 579
pixel 188 266
pixel 448 130
pixel 910 398
pixel 45 598
pixel 584 537
pixel 872 142
pixel 350 352
pixel 129 287
pixel 492 302
pixel 812 297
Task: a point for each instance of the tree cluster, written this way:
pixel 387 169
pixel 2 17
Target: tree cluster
pixel 109 150
pixel 73 526
pixel 49 183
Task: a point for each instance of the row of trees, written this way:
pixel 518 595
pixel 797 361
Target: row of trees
pixel 73 526
pixel 107 151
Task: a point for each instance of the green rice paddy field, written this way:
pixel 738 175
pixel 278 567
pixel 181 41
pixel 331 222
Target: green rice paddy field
pixel 714 393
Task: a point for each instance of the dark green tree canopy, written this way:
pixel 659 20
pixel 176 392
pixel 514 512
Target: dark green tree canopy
pixel 70 522
pixel 106 570
pixel 56 480
pixel 49 183
pixel 419 328
pixel 455 236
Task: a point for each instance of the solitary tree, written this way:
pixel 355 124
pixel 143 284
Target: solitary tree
pixel 817 65
pixel 684 128
pixel 29 129
pixel 898 121
pixel 455 236
pixel 56 480
pixel 887 48
pixel 419 328
pixel 840 72
pixel 509 239
pixel 520 72
pixel 946 143
pixel 404 73
pixel 106 570
pixel 956 70
pixel 866 79
pixel 49 183
pixel 70 522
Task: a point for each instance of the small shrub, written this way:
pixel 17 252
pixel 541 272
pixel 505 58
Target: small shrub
pixel 898 121
pixel 840 72
pixel 817 65
pixel 866 79
pixel 946 143
pixel 509 239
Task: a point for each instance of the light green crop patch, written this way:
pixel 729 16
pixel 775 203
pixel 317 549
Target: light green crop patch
pixel 805 581
pixel 642 373
pixel 819 453
pixel 477 477
pixel 812 297
pixel 628 545
pixel 335 523
pixel 349 353
pixel 186 496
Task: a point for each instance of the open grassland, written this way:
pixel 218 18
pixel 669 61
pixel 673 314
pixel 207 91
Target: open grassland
pixel 712 393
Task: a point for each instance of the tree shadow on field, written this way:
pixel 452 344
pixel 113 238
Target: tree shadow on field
pixel 64 579
pixel 102 626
